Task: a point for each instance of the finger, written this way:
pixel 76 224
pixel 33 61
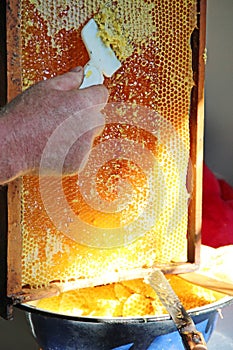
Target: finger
pixel 97 131
pixel 93 96
pixel 78 153
pixel 68 81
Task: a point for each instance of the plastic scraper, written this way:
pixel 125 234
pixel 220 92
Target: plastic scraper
pixel 103 61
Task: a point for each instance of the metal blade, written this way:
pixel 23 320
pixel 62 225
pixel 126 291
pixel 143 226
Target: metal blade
pixel 192 339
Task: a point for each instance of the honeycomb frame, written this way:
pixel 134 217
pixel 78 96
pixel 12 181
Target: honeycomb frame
pixel 13 268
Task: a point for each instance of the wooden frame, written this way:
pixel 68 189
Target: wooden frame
pixel 198 41
pixel 3 189
pixel 11 290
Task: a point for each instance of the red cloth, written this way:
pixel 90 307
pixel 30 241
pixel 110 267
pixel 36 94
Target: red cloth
pixel 217 215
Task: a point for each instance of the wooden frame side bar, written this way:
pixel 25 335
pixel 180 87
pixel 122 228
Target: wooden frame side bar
pixel 11 239
pixel 5 309
pixel 197 134
pixel 3 74
pixel 14 81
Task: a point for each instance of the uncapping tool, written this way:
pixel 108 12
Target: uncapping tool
pixel 103 61
pixel 192 339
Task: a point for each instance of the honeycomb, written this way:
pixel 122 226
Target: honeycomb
pixel 156 76
pixel 126 299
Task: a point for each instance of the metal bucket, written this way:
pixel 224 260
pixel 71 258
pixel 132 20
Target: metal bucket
pixel 59 332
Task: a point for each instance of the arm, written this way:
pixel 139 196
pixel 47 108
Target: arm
pixel 27 123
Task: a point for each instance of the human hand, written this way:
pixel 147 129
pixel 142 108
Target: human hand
pixel 29 120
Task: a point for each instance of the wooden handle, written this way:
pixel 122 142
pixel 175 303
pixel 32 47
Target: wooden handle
pixel 208 282
pixel 193 341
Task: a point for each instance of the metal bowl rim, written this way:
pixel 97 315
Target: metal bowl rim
pixel 215 306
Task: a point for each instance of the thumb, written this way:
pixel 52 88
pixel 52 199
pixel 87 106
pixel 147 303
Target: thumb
pixel 67 81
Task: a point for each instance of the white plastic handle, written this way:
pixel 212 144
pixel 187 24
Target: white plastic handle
pixel 92 76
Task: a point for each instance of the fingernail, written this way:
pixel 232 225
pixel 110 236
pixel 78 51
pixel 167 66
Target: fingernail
pixel 76 69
